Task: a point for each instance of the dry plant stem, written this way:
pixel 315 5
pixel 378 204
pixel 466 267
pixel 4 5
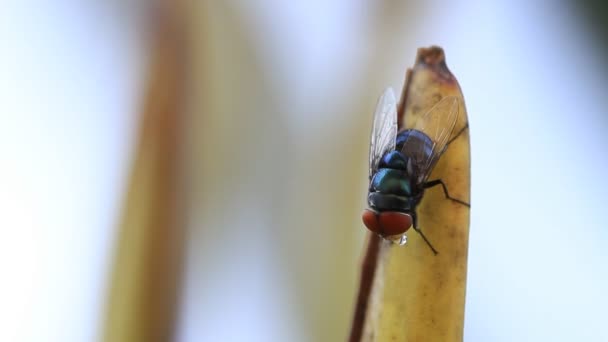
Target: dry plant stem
pixel 145 279
pixel 415 295
pixel 368 268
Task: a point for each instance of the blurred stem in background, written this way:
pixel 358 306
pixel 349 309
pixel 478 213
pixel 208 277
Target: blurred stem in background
pixel 596 12
pixel 145 282
pixel 260 172
pixel 275 221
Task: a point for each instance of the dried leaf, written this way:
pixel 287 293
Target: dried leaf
pixel 408 293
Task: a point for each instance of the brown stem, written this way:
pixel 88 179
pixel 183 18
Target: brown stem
pixel 368 269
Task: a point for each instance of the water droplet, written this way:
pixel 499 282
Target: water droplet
pixel 403 240
pixel 397 239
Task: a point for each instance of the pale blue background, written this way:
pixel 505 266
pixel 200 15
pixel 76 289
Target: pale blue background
pixel 535 86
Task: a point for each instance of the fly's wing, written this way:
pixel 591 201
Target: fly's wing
pixel 438 124
pixel 384 129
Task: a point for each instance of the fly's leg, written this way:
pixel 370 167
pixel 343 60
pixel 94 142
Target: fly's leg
pixel 458 134
pixel 415 221
pixel 455 137
pixel 436 182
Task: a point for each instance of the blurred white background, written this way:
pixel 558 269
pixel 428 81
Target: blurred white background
pixel 534 81
pixel 69 85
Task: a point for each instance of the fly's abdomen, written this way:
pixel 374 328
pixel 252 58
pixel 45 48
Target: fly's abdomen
pixel 391 181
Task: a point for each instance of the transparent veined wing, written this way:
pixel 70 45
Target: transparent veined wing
pixel 384 129
pixel 438 124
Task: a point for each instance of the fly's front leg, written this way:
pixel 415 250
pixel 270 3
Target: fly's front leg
pixel 416 228
pixel 436 182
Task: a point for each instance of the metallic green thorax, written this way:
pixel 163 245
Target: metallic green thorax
pixel 391 181
pixel 397 184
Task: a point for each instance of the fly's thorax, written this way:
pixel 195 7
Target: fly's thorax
pixel 392 189
pixel 389 202
pixel 394 160
pixel 395 185
pixel 391 181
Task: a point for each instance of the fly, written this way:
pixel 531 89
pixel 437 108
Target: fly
pixel 400 164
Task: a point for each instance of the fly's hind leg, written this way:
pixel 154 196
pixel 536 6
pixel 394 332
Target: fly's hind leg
pixel 455 137
pixel 436 182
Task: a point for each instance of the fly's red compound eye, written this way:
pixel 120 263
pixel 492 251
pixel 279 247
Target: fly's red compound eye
pixel 394 223
pixel 371 221
pixel 386 223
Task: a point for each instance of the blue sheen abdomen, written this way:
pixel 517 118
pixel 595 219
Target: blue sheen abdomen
pixel 415 145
